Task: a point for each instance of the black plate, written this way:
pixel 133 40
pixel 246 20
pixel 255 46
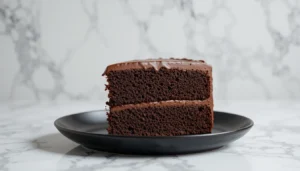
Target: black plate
pixel 89 130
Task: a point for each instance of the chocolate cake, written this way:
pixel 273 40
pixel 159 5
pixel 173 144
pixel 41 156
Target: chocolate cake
pixel 160 97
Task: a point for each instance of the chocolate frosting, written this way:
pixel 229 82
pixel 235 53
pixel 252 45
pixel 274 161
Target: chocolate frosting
pixel 172 63
pixel 165 103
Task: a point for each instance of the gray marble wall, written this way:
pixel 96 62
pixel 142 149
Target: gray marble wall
pixel 57 50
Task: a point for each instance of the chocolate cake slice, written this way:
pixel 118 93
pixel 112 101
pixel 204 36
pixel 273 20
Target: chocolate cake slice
pixel 160 97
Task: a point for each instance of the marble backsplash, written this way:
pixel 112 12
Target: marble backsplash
pixel 57 50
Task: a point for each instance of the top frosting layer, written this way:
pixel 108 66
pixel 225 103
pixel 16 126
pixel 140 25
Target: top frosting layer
pixel 172 63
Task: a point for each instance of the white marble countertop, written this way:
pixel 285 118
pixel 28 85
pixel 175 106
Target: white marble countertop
pixel 29 141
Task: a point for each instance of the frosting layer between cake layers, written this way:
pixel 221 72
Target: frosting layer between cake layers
pixel 207 102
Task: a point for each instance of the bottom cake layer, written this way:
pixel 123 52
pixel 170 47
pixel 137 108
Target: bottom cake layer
pixel 161 120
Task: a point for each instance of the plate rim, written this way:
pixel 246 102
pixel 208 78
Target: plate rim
pixel 251 124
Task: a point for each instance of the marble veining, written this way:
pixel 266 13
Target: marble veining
pixel 53 50
pixel 29 140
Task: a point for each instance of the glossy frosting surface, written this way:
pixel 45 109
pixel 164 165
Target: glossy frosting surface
pixel 171 63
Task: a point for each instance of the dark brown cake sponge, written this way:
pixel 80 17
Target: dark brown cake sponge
pixel 161 120
pixel 137 86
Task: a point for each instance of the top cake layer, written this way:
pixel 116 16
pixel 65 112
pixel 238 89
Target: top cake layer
pixel 172 63
pixel 156 80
